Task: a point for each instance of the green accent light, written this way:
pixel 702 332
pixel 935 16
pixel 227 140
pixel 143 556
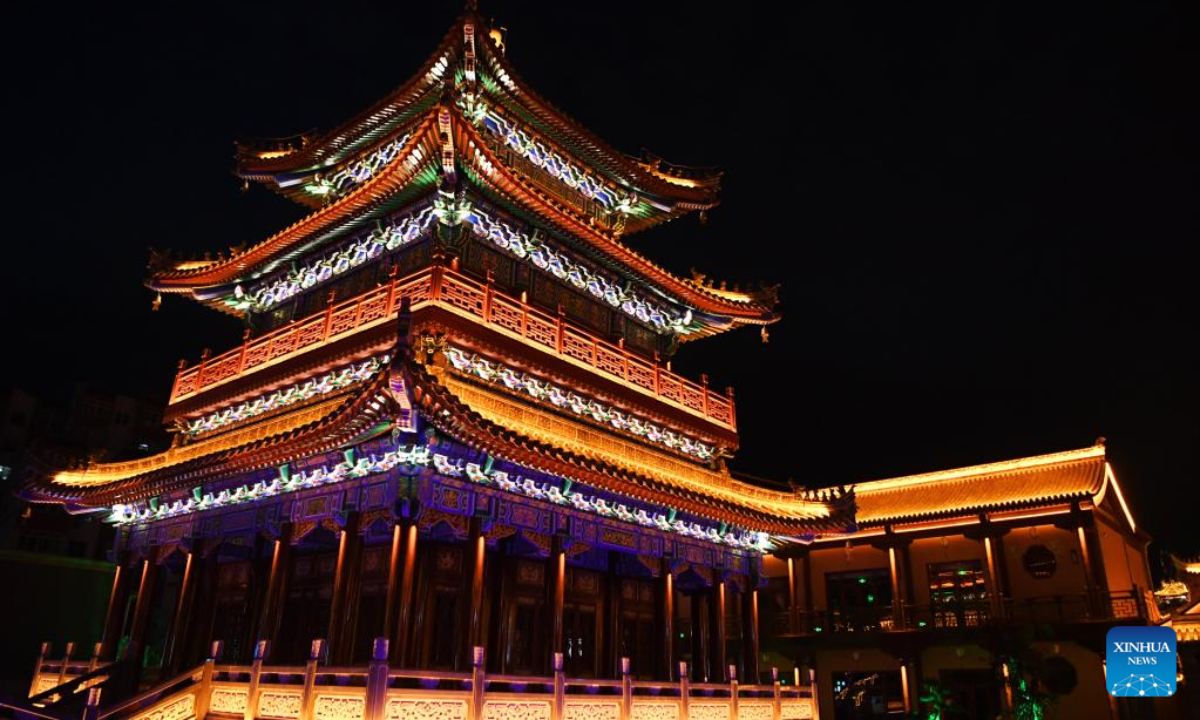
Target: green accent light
pixel 862 581
pixel 962 572
pixel 870 598
pixel 921 623
pixel 818 629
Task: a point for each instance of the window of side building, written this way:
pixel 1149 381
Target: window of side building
pixel 958 595
pixel 859 600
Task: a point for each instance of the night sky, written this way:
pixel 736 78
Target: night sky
pixel 982 218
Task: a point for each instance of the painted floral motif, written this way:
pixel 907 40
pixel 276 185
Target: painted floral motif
pixel 754 711
pixel 554 164
pixel 565 399
pixel 279 705
pixel 181 708
pixel 655 711
pixel 363 169
pixel 708 711
pixel 228 700
pixel 411 456
pixel 732 537
pixel 398 709
pixel 796 710
pixel 350 256
pixel 417 456
pixel 516 710
pixel 591 711
pixel 338 707
pixel 323 385
pixel 533 249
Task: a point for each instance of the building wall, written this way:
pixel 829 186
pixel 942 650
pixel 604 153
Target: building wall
pixel 830 661
pixel 930 551
pixel 835 559
pixel 1089 699
pixel 1124 563
pixel 1069 577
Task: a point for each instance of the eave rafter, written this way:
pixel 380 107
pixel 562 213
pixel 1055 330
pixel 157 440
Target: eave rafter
pixel 475 153
pixel 695 187
pixel 418 153
pixel 263 160
pixel 467 57
pixel 720 498
pixel 322 427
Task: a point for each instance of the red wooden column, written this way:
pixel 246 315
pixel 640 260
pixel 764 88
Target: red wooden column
pixel 147 590
pixel 716 634
pixel 666 590
pixel 176 643
pixel 749 599
pixel 808 591
pixel 405 586
pixel 609 640
pixel 698 602
pixel 115 617
pixel 341 627
pixel 793 598
pixel 277 582
pixel 556 579
pixel 476 555
pixel 393 587
pixel 204 610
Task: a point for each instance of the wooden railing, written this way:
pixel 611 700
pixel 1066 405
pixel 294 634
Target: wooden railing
pixel 377 692
pixel 472 299
pixel 50 673
pixel 1107 606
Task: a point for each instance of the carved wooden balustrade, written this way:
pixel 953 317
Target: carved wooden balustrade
pixel 50 673
pixel 377 692
pixel 479 302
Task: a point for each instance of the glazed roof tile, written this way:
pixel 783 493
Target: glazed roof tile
pixel 1057 477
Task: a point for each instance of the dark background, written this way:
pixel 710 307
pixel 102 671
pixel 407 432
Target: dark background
pixel 982 217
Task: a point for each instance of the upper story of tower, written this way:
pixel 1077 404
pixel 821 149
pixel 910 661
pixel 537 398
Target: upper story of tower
pixel 464 155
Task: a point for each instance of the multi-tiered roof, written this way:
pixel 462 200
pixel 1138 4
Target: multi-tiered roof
pixel 476 195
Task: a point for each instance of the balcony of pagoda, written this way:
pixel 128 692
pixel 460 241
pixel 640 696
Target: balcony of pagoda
pixel 1113 608
pixel 363 324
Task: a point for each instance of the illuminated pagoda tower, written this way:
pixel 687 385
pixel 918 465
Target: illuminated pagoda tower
pixel 452 422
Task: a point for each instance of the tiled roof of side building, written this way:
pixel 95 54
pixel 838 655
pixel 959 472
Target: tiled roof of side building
pixel 1057 477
